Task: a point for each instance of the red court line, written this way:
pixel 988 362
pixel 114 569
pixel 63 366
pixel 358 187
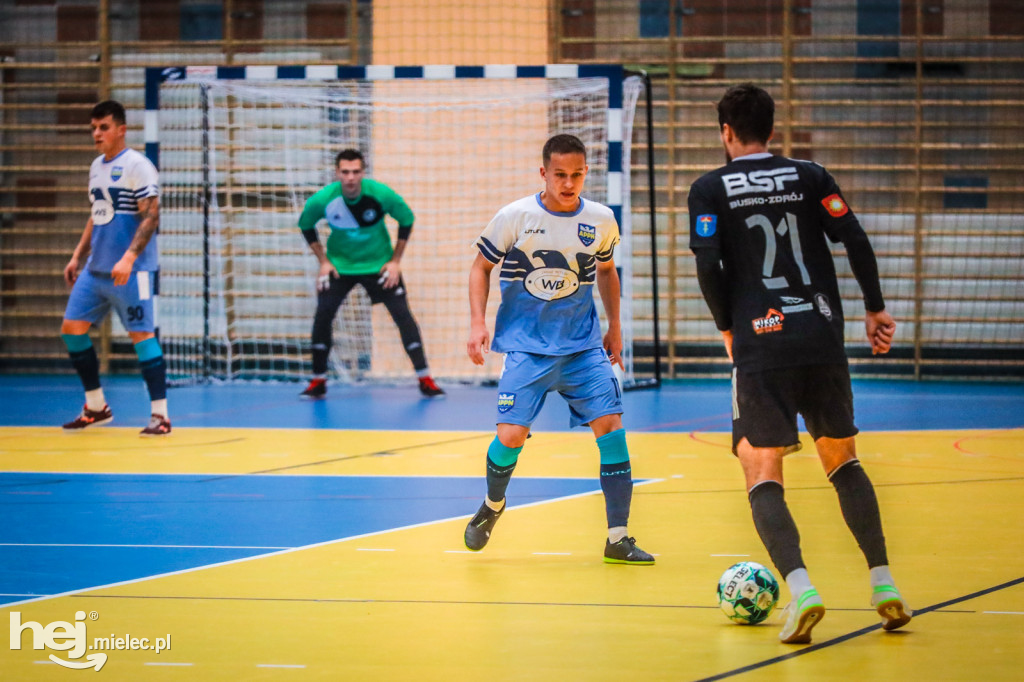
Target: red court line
pixel 958 444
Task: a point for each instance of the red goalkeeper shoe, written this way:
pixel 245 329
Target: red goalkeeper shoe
pixel 317 389
pixel 429 388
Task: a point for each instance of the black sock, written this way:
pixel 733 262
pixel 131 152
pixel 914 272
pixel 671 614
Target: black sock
pixel 776 527
pixel 87 365
pixel 617 486
pixel 860 510
pixel 497 480
pixel 154 372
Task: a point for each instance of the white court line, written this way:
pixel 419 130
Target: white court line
pixel 447 551
pixel 1006 613
pixel 315 545
pixel 44 662
pixel 59 544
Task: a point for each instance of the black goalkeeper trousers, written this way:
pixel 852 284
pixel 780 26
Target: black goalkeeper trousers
pixel 394 299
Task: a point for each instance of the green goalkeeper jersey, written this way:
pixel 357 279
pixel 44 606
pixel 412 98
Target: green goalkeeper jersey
pixel 359 243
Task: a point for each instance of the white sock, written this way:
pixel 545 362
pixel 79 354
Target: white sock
pixel 616 533
pixel 798 582
pixel 159 407
pixel 423 373
pixel 94 400
pixel 880 576
pixel 494 506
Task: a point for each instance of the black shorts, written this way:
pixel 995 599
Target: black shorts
pixel 765 405
pixel 373 284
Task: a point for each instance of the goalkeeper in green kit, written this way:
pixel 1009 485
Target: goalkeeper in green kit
pixel 359 251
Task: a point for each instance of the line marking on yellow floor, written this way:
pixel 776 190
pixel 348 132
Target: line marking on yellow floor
pixel 289 550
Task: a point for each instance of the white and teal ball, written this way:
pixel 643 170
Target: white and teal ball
pixel 747 592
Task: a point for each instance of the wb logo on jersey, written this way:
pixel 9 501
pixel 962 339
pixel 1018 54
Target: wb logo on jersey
pixel 550 283
pixel 506 401
pixel 553 277
pixel 760 181
pixel 587 233
pixel 102 207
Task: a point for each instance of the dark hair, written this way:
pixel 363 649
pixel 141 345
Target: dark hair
pixel 563 144
pixel 349 155
pixel 109 108
pixel 749 111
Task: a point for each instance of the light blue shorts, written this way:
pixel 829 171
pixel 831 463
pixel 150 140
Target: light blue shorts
pixel 584 379
pixel 93 294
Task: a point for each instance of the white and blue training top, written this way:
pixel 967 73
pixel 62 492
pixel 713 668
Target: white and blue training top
pixel 115 188
pixel 548 267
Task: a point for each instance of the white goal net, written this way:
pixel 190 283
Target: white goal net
pixel 239 156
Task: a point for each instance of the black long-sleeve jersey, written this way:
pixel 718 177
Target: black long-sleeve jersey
pixel 759 227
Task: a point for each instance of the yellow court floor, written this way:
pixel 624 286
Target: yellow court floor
pixel 538 603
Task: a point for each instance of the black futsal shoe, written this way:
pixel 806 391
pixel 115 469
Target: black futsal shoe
pixel 478 531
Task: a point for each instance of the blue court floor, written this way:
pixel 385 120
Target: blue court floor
pixel 68 532
pixel 679 406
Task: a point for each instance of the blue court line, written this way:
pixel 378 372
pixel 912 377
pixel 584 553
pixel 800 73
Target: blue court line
pixel 80 531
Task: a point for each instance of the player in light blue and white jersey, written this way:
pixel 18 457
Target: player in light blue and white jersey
pixel 119 248
pixel 553 248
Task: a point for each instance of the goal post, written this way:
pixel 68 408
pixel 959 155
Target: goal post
pixel 240 149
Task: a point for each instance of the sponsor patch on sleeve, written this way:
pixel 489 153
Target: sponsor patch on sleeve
pixel 835 205
pixel 707 224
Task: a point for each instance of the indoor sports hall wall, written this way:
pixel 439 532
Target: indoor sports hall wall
pixel 915 105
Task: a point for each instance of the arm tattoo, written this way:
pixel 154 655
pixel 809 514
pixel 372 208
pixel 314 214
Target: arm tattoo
pixel 150 210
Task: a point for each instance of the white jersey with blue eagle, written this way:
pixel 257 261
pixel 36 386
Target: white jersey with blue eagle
pixel 115 188
pixel 548 268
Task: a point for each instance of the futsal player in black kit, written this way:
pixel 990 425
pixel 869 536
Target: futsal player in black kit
pixel 759 228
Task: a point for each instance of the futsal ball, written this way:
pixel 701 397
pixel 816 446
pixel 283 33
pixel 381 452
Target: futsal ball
pixel 747 592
